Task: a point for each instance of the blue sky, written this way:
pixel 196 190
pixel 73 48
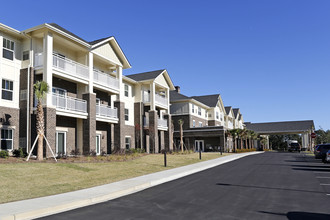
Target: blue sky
pixel 270 58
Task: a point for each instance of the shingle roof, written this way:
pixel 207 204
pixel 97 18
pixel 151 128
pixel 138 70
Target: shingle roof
pixel 227 108
pixel 174 96
pixel 66 31
pixel 209 100
pixel 281 127
pixel 145 75
pixel 76 36
pixel 235 110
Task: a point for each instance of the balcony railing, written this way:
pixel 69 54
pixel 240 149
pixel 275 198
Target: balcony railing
pixel 71 67
pixel 162 122
pixel 160 100
pixel 106 80
pixel 38 60
pixel 106 111
pixel 145 121
pixel 60 62
pixel 69 103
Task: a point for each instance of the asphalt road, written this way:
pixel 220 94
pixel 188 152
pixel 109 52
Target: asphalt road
pixel 263 186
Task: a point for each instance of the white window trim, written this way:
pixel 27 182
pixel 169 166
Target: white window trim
pixel 130 142
pixel 194 123
pixel 126 86
pixel 127 114
pixel 12 137
pixel 64 132
pixel 7 90
pixel 100 136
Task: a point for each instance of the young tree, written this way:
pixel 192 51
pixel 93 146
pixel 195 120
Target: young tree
pixel 40 90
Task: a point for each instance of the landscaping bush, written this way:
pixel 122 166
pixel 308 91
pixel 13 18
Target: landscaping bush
pixel 4 154
pixel 19 153
pixel 245 150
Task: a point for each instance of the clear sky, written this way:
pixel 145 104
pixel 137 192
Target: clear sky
pixel 270 58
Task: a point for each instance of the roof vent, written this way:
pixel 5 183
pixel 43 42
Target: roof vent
pixel 177 88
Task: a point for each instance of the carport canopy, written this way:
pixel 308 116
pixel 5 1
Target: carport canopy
pixel 284 127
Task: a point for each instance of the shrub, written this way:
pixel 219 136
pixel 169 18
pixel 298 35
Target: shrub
pixel 245 150
pixel 4 154
pixel 19 153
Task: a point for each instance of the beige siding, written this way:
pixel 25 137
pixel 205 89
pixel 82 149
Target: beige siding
pixel 107 52
pixel 160 80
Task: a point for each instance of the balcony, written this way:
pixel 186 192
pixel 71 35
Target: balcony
pixel 106 112
pixel 69 67
pixel 105 80
pixel 66 104
pixel 161 100
pixel 162 123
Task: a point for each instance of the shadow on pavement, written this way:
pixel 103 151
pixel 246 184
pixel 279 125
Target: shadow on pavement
pixel 311 166
pixel 301 215
pixel 315 170
pixel 264 187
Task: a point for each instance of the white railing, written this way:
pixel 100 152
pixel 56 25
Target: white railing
pixel 71 67
pixel 38 60
pixel 106 111
pixel 161 100
pixel 146 96
pixel 162 122
pixel 69 103
pixel 146 121
pixel 106 80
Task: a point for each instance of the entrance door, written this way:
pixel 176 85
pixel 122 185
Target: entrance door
pixel 199 144
pixel 60 143
pixel 98 144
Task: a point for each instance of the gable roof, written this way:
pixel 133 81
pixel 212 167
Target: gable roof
pixel 209 100
pixel 236 112
pixel 146 75
pixel 175 96
pixel 281 127
pixel 66 31
pixel 228 108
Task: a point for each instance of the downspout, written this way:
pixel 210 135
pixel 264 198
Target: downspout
pixel 28 95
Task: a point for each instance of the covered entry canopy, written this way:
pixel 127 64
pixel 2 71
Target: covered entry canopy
pixel 305 128
pixel 284 127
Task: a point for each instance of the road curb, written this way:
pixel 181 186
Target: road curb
pixel 40 207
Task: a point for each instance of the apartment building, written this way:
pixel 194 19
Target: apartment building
pixel 203 121
pixel 151 107
pixel 238 119
pixel 11 62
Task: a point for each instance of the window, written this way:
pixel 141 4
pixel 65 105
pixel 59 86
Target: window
pixel 192 108
pixel 200 124
pixel 126 114
pixel 205 114
pixel 6 139
pixel 194 123
pixel 217 115
pixel 8 49
pixel 26 55
pixel 128 142
pixel 126 90
pixel 59 91
pixel 199 111
pixel 7 90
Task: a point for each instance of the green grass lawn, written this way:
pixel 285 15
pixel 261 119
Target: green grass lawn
pixel 28 180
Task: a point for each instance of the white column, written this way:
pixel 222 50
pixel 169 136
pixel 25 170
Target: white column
pixel 119 70
pixel 48 65
pixel 91 72
pixel 168 100
pixel 152 96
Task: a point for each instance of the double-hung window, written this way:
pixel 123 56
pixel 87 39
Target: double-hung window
pixel 192 108
pixel 126 114
pixel 7 90
pixel 6 139
pixel 126 90
pixel 199 111
pixel 8 49
pixel 217 115
pixel 128 142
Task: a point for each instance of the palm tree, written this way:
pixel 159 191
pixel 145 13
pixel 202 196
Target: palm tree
pixel 234 134
pixel 254 136
pixel 40 90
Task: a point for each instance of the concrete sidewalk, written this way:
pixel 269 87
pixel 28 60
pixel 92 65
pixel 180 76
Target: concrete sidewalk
pixel 34 208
